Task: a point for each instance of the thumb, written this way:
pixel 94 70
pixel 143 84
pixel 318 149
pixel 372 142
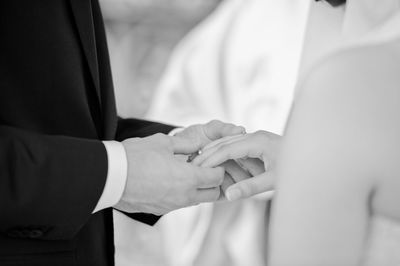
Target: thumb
pixel 250 187
pixel 182 145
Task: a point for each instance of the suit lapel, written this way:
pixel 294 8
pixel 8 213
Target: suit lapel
pixel 82 12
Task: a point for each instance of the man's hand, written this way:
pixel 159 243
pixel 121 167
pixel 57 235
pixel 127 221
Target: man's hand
pixel 201 135
pixel 214 131
pixel 256 153
pixel 158 182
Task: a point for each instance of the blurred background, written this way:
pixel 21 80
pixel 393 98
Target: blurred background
pixel 185 62
pixel 141 36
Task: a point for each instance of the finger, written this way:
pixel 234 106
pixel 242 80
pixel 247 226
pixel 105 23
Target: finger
pixel 250 187
pixel 224 140
pixel 214 146
pixel 216 129
pixel 209 177
pixel 228 181
pixel 235 171
pixel 253 165
pixel 181 157
pixel 242 148
pixel 182 145
pixel 207 195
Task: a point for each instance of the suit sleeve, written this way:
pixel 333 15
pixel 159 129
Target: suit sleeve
pixel 48 183
pixel 137 128
pixel 130 128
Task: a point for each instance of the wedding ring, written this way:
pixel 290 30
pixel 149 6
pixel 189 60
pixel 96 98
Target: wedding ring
pixel 194 155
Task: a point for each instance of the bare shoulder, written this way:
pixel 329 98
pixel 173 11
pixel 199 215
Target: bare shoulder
pixel 358 90
pixel 360 86
pixel 357 73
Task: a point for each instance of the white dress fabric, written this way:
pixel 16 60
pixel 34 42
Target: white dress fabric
pixel 240 65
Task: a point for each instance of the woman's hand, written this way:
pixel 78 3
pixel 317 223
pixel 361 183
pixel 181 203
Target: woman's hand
pixel 256 153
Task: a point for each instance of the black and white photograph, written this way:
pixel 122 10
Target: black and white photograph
pixel 200 133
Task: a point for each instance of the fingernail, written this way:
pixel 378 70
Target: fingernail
pixel 233 194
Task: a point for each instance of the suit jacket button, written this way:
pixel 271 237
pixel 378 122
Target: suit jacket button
pixel 36 233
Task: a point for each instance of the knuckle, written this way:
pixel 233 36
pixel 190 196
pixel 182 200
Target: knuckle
pixel 219 177
pixel 159 135
pixel 229 128
pixel 214 123
pixel 160 212
pixel 229 125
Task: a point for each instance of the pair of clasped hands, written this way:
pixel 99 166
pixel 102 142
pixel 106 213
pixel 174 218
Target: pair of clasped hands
pixel 202 163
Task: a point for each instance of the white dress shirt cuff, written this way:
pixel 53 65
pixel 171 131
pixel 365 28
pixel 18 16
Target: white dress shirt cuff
pixel 116 175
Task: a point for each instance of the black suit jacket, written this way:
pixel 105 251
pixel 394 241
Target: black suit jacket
pixel 56 104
